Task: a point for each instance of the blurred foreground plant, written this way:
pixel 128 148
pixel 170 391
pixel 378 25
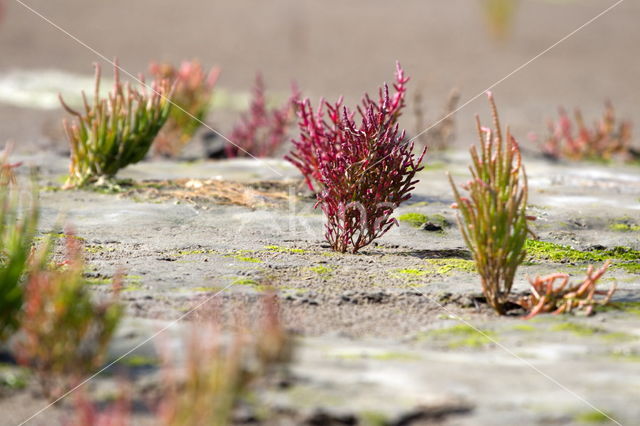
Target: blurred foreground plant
pixel 192 98
pixel 66 334
pixel 86 413
pixel 218 371
pixel 18 226
pixel 546 297
pixel 261 131
pixel 116 131
pixel 361 172
pixel 493 218
pixel 606 139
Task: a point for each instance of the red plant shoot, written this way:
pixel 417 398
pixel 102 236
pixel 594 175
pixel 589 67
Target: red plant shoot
pixel 361 171
pixel 261 131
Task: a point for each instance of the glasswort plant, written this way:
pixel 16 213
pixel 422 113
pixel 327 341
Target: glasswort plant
pixel 192 98
pixel 262 131
pixel 18 226
pixel 322 138
pixel 362 172
pixel 492 217
pixel 65 333
pixel 547 297
pixel 114 132
pixel 608 137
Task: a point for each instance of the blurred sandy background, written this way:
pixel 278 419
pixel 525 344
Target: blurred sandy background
pixel 335 47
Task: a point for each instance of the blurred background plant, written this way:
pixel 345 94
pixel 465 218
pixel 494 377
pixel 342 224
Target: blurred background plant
pixel 192 97
pixel 18 227
pixel 363 172
pixel 493 218
pixel 442 134
pixel 500 15
pixel 261 131
pixel 114 132
pixel 546 297
pixel 64 333
pixel 606 139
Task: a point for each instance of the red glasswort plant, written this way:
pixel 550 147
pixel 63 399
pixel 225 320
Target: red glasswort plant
pixel 322 139
pixel 262 131
pixel 546 297
pixel 607 138
pixel 192 98
pixel 362 171
pixel 493 218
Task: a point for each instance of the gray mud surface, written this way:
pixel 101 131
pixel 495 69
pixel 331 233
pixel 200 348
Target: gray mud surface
pixel 383 334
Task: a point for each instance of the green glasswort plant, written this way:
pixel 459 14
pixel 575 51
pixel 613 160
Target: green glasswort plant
pixel 192 98
pixel 17 232
pixel 114 132
pixel 493 218
pixel 65 333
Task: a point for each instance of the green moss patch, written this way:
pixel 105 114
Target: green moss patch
pixel 593 417
pixel 542 250
pixel 577 329
pixel 412 272
pixel 624 227
pixel 413 219
pixel 447 266
pixel 321 269
pixel 284 249
pixel 462 336
pixel 418 219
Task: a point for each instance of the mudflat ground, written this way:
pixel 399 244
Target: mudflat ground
pixel 391 335
pixel 387 333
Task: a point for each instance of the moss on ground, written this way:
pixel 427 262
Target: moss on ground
pixel 577 329
pixel 626 307
pixel 587 331
pixel 245 281
pixel 592 417
pixel 418 219
pixel 623 257
pixel 462 336
pixel 285 249
pixel 321 269
pixel 412 272
pixel 624 227
pixel 447 266
pixel 413 219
